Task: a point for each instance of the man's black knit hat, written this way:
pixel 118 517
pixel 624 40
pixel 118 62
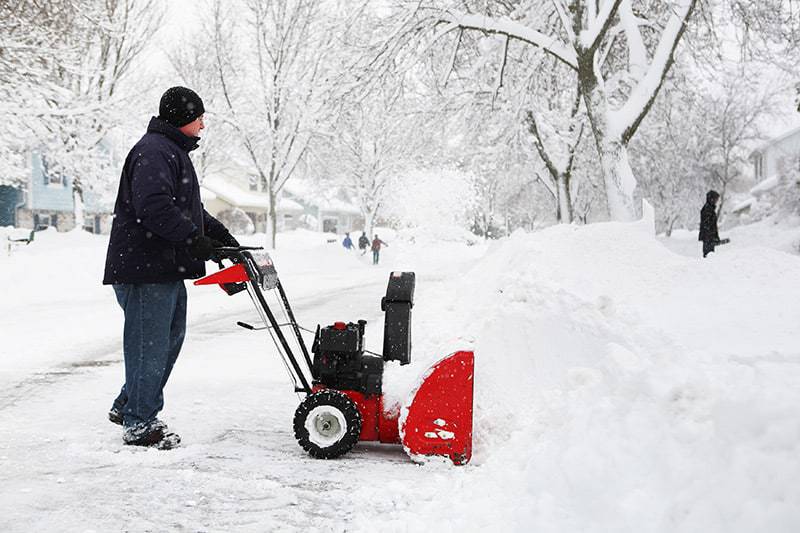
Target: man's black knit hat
pixel 180 106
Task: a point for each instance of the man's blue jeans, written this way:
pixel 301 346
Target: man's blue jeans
pixel 155 325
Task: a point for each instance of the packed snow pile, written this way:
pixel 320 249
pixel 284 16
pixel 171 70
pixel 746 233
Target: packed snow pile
pixel 621 387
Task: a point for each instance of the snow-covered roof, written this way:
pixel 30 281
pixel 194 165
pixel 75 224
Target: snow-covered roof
pixel 763 147
pixel 765 186
pixel 340 206
pixel 233 195
pixel 323 199
pixel 741 206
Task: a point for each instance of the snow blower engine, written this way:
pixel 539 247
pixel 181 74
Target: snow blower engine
pixel 343 384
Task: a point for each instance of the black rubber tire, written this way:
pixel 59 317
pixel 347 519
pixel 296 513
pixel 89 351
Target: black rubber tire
pixel 336 400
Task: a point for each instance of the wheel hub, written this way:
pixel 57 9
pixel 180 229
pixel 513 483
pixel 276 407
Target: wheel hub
pixel 327 425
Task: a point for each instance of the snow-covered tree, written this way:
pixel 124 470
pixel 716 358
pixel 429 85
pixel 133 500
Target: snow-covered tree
pixel 620 56
pixel 277 67
pixel 67 62
pixel 620 52
pixel 731 113
pixel 30 43
pixel 373 140
pixel 433 199
pixel 559 170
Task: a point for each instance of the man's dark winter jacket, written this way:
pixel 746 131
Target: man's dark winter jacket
pixel 708 224
pixel 158 212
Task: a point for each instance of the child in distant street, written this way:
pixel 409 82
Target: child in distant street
pixel 363 242
pixel 376 249
pixel 347 243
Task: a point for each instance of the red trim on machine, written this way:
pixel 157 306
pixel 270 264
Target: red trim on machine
pixel 232 274
pixel 438 421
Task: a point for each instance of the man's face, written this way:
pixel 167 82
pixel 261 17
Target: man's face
pixel 193 128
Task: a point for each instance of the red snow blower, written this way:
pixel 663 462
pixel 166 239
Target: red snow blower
pixel 344 401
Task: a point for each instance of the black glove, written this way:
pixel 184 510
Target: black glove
pixel 202 247
pixel 230 241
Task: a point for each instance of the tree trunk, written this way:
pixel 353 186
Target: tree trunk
pixel 619 180
pixel 613 152
pixel 564 209
pixel 272 220
pixel 77 202
pixel 721 200
pixel 670 225
pixel 369 223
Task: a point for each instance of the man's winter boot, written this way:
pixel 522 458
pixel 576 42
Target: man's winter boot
pixel 144 434
pixel 115 416
pixel 151 434
pixel 169 441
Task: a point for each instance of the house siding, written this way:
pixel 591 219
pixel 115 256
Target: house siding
pixel 54 203
pixel 48 197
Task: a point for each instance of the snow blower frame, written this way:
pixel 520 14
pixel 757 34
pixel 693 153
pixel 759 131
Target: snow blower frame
pixel 344 401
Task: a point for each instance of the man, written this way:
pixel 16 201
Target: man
pixel 363 242
pixel 376 249
pixel 161 235
pixel 347 242
pixel 708 223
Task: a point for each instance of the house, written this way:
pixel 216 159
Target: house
pixel 227 201
pixel 47 201
pixel 326 210
pixel 226 196
pixel 777 156
pixel 773 162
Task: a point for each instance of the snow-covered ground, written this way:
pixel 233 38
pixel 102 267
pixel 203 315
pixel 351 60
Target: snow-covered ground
pixel 620 386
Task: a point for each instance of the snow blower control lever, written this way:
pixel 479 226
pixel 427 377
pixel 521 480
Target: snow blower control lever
pixel 343 384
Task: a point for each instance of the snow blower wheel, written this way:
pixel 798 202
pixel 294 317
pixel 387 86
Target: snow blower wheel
pixel 327 424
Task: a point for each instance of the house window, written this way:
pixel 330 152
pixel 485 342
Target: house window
pixel 329 225
pixel 42 221
pixel 92 224
pixel 51 176
pixel 758 170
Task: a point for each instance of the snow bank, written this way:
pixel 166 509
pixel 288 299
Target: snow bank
pixel 622 387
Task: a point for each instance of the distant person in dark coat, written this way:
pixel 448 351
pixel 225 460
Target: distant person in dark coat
pixel 347 242
pixel 363 242
pixel 709 234
pixel 161 235
pixel 376 249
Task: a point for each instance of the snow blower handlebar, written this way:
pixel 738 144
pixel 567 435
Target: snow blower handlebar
pixel 256 273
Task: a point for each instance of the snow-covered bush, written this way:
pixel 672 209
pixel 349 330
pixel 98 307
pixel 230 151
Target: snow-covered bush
pixel 777 197
pixel 431 198
pixel 237 221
